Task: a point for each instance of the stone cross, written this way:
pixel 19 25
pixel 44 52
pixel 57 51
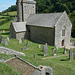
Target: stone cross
pixel 5 41
pixel 64 51
pixel 45 49
pixel 8 39
pixel 54 52
pixel 70 54
pixel 20 41
pixel 74 54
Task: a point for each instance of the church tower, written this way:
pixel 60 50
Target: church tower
pixel 24 9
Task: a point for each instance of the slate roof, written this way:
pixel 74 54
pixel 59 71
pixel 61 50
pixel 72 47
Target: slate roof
pixel 44 20
pixel 19 26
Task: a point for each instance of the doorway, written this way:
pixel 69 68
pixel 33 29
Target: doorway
pixel 62 42
pixel 47 73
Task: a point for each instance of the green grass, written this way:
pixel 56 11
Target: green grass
pixel 7 70
pixel 6 25
pixel 14 13
pixel 60 65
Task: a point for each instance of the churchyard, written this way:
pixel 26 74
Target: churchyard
pixel 35 55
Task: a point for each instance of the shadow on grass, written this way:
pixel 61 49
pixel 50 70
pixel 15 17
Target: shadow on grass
pixel 64 59
pixel 40 54
pixel 7 33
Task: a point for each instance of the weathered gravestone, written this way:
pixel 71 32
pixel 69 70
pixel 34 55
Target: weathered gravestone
pixel 39 46
pixel 9 36
pixel 8 39
pixel 27 43
pixel 5 41
pixel 20 41
pixel 54 52
pixel 45 49
pixel 74 54
pixel 70 54
pixel 3 31
pixel 56 47
pixel 64 51
pixel 1 39
pixel 25 48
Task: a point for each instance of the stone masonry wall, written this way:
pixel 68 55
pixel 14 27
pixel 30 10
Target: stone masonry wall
pixel 64 23
pixel 20 35
pixel 42 35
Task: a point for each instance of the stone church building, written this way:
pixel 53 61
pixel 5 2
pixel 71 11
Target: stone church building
pixel 51 28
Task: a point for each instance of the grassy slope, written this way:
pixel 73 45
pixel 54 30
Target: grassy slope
pixel 61 65
pixel 7 25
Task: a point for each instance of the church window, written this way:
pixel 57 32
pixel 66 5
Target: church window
pixel 63 32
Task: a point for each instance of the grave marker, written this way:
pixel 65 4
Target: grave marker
pixel 5 41
pixel 45 49
pixel 74 54
pixel 54 52
pixel 70 54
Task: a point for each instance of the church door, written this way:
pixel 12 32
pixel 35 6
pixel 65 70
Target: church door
pixel 47 73
pixel 62 42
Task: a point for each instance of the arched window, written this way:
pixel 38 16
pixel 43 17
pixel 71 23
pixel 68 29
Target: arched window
pixel 47 73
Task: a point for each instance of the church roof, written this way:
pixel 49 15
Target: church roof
pixel 19 26
pixel 44 20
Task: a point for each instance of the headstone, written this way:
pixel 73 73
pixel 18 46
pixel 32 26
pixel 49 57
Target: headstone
pixel 39 46
pixel 3 31
pixel 20 41
pixel 27 43
pixel 56 47
pixel 5 41
pixel 1 39
pixel 8 39
pixel 25 48
pixel 70 54
pixel 45 49
pixel 54 52
pixel 74 54
pixel 64 51
pixel 34 56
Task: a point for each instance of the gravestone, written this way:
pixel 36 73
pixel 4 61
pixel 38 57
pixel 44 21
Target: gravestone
pixel 39 46
pixel 27 43
pixel 20 41
pixel 1 39
pixel 25 48
pixel 56 47
pixel 8 39
pixel 64 51
pixel 3 31
pixel 5 41
pixel 70 54
pixel 54 52
pixel 45 49
pixel 74 54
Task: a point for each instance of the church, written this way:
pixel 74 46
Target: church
pixel 51 28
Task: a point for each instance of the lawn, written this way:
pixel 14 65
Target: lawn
pixel 60 65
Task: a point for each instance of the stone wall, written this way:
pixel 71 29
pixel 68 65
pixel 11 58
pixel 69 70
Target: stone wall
pixel 42 34
pixel 63 23
pixel 20 35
